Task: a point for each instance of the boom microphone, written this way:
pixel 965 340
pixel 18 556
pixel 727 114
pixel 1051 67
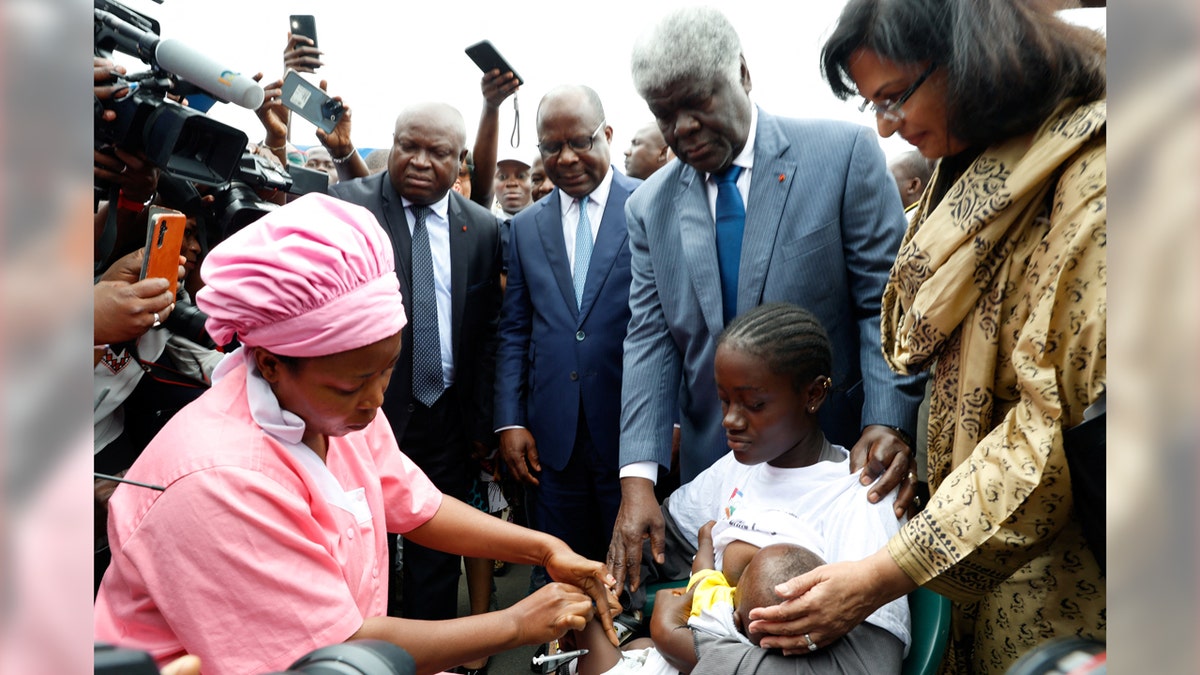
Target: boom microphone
pixel 179 59
pixel 175 57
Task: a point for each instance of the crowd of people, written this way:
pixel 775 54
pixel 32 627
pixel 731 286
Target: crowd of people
pixel 711 365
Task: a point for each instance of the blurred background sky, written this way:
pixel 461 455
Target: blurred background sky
pixel 382 56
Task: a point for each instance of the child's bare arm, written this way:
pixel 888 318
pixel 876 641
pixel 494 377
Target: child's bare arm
pixel 669 629
pixel 706 556
pixel 601 656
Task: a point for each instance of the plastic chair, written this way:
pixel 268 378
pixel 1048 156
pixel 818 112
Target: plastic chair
pixel 930 627
pixel 930 632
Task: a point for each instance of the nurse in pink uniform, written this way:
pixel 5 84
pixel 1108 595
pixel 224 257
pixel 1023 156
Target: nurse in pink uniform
pixel 282 480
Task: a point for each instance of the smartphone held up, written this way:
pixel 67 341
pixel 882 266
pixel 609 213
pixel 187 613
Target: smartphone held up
pixel 484 54
pixel 310 102
pixel 164 241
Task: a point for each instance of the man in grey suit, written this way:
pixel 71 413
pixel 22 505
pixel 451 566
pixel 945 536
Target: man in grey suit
pixel 816 222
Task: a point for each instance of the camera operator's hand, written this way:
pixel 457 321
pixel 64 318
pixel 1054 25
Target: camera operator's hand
pixel 125 308
pixel 137 177
pixel 105 85
pixel 299 54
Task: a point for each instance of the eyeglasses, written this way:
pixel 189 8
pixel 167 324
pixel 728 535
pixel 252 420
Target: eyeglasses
pixel 579 145
pixel 890 110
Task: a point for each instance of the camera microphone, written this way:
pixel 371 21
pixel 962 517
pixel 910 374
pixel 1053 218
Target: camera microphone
pixel 202 71
pixel 179 59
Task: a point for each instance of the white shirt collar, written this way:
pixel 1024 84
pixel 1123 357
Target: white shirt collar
pixel 288 429
pixel 441 207
pixel 745 158
pixel 599 196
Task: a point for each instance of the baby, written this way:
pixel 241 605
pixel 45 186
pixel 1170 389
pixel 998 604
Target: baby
pixel 753 560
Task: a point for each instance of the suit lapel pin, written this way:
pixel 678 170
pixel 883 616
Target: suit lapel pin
pixel 464 228
pixel 782 177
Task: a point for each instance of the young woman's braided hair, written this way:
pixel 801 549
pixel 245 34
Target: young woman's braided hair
pixel 788 338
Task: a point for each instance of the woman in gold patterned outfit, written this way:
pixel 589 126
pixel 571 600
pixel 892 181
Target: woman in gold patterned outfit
pixel 999 287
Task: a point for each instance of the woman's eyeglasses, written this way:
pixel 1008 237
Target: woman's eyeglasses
pixel 891 110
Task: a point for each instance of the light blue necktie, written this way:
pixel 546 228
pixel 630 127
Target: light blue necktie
pixel 731 222
pixel 427 383
pixel 583 251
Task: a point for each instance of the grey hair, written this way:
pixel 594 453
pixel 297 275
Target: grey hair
pixel 913 165
pixel 693 42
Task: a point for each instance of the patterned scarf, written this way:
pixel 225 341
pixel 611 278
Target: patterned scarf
pixel 951 294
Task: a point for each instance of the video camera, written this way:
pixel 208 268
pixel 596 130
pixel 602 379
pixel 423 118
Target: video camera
pixel 179 140
pixel 184 143
pixel 357 657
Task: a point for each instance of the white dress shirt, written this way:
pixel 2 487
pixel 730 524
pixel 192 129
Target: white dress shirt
pixel 570 214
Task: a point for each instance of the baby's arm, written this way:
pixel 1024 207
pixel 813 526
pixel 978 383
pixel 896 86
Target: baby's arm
pixel 669 628
pixel 601 656
pixel 706 555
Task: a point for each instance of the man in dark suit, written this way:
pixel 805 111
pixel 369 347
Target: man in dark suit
pixel 447 252
pixel 558 367
pixel 757 209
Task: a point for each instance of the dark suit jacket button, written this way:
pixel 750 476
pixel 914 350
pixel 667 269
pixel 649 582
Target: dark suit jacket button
pixel 579 336
pixel 574 376
pixel 412 407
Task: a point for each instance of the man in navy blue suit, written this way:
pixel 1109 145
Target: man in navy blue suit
pixel 558 366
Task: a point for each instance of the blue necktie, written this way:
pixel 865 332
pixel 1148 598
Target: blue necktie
pixel 583 251
pixel 731 221
pixel 427 384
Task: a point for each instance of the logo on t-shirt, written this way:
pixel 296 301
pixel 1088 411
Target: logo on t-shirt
pixel 736 498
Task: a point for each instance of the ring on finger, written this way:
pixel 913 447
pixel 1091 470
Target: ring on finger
pixel 812 646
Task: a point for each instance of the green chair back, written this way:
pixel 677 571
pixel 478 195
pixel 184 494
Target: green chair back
pixel 930 631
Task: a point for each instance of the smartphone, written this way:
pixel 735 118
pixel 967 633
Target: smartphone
pixel 314 105
pixel 164 241
pixel 487 58
pixel 306 25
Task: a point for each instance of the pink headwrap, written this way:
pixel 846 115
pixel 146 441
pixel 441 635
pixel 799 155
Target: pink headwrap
pixel 314 278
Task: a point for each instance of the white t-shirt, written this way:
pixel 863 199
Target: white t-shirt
pixel 825 496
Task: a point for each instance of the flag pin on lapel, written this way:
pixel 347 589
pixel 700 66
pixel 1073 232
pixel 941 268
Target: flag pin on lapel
pixel 782 177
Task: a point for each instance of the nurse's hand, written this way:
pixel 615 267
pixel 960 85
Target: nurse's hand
pixel 592 578
pixel 550 612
